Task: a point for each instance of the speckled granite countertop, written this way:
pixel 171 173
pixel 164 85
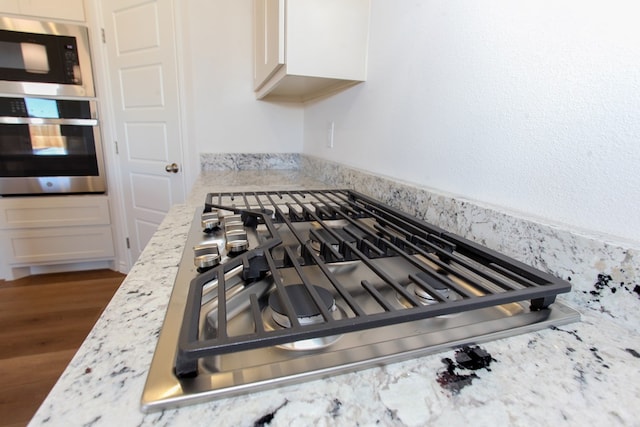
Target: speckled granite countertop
pixel 585 373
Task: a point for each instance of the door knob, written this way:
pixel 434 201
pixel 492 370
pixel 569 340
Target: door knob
pixel 173 167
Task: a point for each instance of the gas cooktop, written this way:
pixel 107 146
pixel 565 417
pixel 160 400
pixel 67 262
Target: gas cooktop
pixel 281 287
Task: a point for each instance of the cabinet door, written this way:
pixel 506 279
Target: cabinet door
pixel 56 245
pixel 269 39
pixel 55 9
pixel 53 211
pixel 9 6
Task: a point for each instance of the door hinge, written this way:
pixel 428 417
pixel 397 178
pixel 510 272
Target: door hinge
pixel 104 38
pixel 116 144
pixel 128 243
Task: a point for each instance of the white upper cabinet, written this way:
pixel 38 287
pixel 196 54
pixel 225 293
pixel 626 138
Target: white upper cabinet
pixel 306 49
pixel 72 10
pixel 9 6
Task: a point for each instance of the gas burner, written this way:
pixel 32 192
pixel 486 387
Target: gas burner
pixel 442 293
pixel 206 255
pixel 303 305
pixel 426 298
pixel 210 221
pixel 307 312
pixel 319 235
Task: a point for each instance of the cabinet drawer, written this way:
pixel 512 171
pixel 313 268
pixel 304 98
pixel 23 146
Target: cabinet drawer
pixel 28 247
pixel 34 212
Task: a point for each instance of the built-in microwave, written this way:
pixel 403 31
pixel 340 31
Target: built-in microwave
pixel 44 58
pixel 49 146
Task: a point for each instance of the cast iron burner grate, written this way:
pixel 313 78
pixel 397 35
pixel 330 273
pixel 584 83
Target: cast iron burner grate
pixel 346 227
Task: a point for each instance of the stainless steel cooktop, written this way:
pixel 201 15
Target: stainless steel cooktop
pixel 282 287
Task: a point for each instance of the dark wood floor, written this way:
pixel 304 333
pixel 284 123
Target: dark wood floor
pixel 43 321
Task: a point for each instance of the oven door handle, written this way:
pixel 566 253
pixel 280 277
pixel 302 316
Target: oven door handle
pixel 40 121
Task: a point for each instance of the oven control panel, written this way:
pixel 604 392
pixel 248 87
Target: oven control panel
pixel 44 108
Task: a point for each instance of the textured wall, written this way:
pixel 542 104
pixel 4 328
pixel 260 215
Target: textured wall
pixel 222 112
pixel 533 106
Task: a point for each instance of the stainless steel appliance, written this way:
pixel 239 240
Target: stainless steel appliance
pixel 49 146
pixel 44 58
pixel 280 287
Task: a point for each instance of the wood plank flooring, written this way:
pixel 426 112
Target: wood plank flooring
pixel 43 321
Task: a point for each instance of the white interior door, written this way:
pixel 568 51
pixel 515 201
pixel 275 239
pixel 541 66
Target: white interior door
pixel 141 55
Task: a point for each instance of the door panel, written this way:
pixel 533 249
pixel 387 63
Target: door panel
pixel 130 35
pixel 142 87
pixel 148 200
pixel 141 52
pixel 148 141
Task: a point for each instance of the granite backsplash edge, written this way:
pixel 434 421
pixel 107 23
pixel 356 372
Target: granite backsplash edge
pixel 605 274
pixel 249 161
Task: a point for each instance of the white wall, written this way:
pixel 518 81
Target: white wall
pixel 223 114
pixel 533 106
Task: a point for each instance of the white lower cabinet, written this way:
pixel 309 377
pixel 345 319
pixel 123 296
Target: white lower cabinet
pixel 47 231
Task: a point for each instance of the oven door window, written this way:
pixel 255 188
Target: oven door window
pixel 47 150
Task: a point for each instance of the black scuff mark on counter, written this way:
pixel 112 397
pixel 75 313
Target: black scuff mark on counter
pixel 459 374
pixel 335 408
pixel 605 291
pixel 93 421
pixel 603 281
pixel 632 352
pixel 160 417
pixel 453 381
pixel 137 293
pixel 266 419
pixel 122 370
pixel 605 285
pixel 391 414
pixel 573 333
pixel 580 375
pixel 594 351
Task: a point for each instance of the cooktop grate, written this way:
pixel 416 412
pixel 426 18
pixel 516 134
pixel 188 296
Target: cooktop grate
pixel 348 228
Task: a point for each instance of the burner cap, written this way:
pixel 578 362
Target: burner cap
pixel 307 314
pixel 318 236
pixel 301 300
pixel 425 296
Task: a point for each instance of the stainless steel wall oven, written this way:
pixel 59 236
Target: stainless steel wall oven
pixel 49 133
pixel 49 146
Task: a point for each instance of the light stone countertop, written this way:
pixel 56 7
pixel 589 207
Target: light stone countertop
pixel 585 373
